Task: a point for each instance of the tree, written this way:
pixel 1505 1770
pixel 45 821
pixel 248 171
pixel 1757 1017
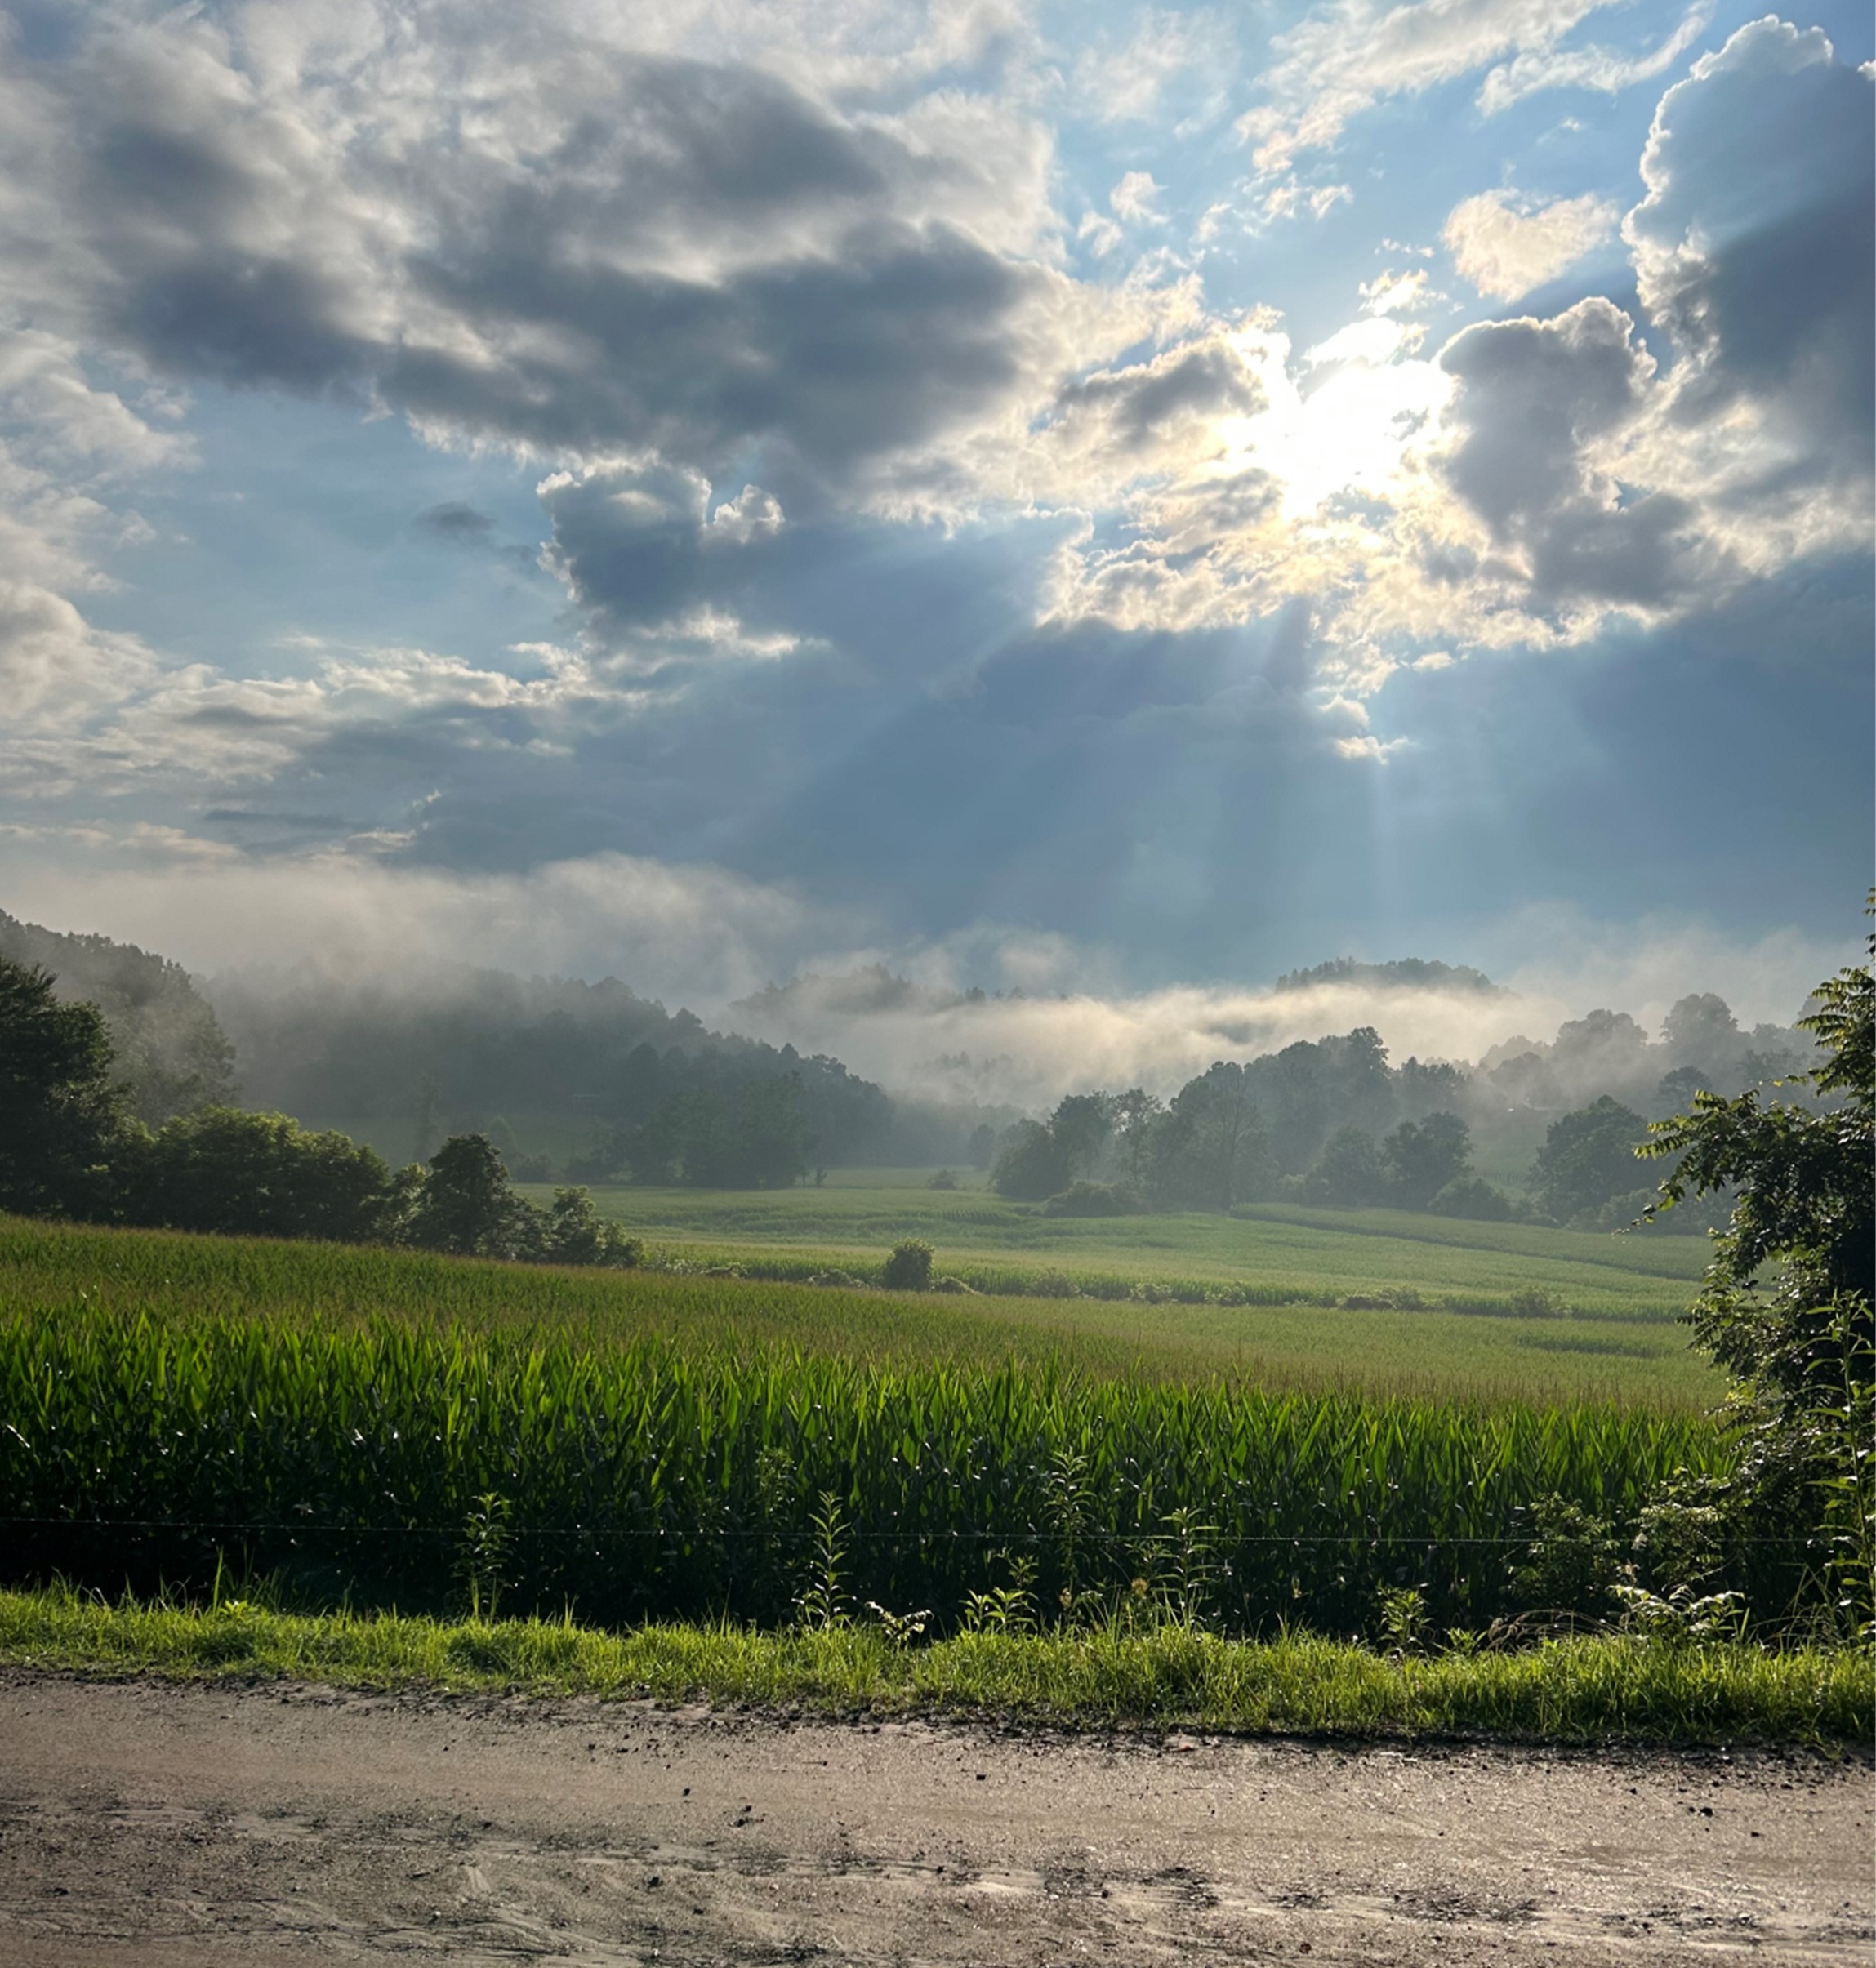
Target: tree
pixel 909 1267
pixel 61 1118
pixel 241 1174
pixel 1031 1166
pixel 466 1206
pixel 1350 1173
pixel 1588 1160
pixel 1424 1156
pixel 574 1232
pixel 1701 1031
pixel 1210 1149
pixel 1786 1303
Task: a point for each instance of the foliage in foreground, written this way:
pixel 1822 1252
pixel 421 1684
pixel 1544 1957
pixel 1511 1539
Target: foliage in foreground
pixel 1786 1307
pixel 1616 1688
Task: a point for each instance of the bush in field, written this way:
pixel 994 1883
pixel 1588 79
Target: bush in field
pixel 1472 1197
pixel 909 1268
pixel 572 1231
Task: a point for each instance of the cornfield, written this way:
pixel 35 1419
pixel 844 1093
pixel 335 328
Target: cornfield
pixel 650 1479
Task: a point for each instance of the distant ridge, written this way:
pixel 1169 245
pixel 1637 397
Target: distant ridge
pixel 1415 973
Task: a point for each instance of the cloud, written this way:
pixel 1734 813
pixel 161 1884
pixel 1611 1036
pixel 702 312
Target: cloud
pixel 1037 1047
pixel 1753 248
pixel 1541 411
pixel 1133 199
pixel 694 933
pixel 1506 246
pixel 1342 60
pixel 1187 57
pixel 1606 70
pixel 455 521
pixel 55 668
pixel 616 252
pixel 1174 400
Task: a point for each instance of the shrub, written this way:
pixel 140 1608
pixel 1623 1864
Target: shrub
pixel 1471 1196
pixel 909 1268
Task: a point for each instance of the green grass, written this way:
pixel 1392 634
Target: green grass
pixel 1606 1690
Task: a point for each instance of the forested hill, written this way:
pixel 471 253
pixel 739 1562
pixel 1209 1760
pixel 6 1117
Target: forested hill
pixel 675 1100
pixel 171 1054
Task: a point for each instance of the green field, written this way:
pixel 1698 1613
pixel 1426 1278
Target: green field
pixel 1641 1359
pixel 661 1446
pixel 1275 1252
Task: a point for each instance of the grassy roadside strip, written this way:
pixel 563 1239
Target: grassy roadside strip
pixel 1588 1690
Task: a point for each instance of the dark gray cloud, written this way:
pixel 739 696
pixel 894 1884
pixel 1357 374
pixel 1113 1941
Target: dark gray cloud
pixel 643 548
pixel 1754 244
pixel 1537 396
pixel 1610 481
pixel 623 253
pixel 456 520
pixel 1146 403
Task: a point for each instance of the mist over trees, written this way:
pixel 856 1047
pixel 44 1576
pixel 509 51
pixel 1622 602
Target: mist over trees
pixel 1332 1124
pixel 665 1098
pixel 170 1054
pixel 630 1092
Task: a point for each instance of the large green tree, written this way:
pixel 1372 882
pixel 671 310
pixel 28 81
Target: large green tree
pixel 1785 1305
pixel 1588 1160
pixel 61 1117
pixel 467 1206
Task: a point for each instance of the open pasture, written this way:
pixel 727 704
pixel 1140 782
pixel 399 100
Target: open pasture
pixel 1276 1252
pixel 55 1271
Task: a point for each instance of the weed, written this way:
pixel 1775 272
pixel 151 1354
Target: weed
pixel 824 1602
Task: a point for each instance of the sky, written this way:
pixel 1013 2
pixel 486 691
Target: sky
pixel 1099 499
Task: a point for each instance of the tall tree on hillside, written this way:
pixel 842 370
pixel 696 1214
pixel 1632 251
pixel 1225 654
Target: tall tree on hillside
pixel 61 1115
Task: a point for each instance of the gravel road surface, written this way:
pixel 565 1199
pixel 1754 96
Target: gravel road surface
pixel 174 1827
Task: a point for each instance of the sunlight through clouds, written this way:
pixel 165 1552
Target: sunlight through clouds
pixel 991 461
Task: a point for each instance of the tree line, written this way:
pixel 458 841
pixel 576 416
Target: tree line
pixel 72 1146
pixel 1330 1123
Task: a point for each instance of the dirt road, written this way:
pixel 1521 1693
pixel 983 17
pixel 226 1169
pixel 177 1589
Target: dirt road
pixel 170 1825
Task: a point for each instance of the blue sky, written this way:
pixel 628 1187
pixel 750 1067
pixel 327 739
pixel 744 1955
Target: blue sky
pixel 1094 498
